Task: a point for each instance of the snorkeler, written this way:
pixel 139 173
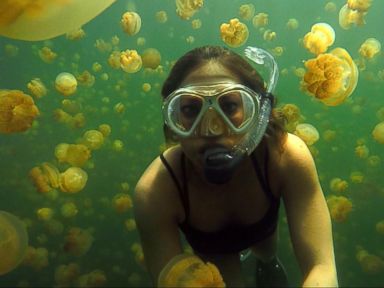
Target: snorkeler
pixel 222 183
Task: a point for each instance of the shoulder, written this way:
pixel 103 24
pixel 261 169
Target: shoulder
pixel 156 188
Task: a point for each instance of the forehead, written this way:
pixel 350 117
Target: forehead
pixel 210 72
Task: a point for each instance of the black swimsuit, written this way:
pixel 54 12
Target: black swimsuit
pixel 234 237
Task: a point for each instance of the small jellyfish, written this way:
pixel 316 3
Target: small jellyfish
pixel 78 241
pixel 331 77
pixel 40 20
pixel 348 16
pixel 73 180
pixel 122 203
pixel 370 48
pixel 96 67
pixel 66 274
pixel 359 5
pixel 247 11
pixel 369 263
pixel 13 242
pixel 105 129
pixel 103 46
pixel 185 9
pixel 357 177
pixel 269 35
pixel 234 33
pixel 93 139
pixel 95 278
pixel 75 35
pixel 73 154
pixel 47 55
pixel 130 61
pixel 362 151
pixel 37 88
pixel 17 111
pixel 37 258
pixel 339 207
pixel 151 58
pixel 319 39
pixel 260 20
pixel 131 23
pixel 114 60
pixel 161 16
pixel 380 227
pixel 45 213
pixel 130 224
pixel 69 210
pixel 86 79
pixel 330 7
pixel 338 185
pixel 117 145
pixel 146 87
pixel 187 270
pixel 308 133
pixel 196 24
pixel 292 24
pixel 378 133
pixel 66 84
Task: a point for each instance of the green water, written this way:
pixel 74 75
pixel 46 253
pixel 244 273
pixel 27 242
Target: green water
pixel 140 129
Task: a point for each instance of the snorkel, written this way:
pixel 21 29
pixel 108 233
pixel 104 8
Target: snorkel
pixel 219 162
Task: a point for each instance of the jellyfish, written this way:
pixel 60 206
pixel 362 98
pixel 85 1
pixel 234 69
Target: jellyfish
pixel 319 39
pixel 122 203
pixel 66 274
pixel 359 5
pixel 105 129
pixel 151 58
pixel 292 115
pixel 347 17
pixel 338 185
pixel 44 214
pixel 269 35
pixel 130 61
pixel 370 48
pixel 185 9
pixel 186 270
pixel 69 210
pixel 37 88
pixel 31 21
pixel 117 145
pixel 17 111
pixel 277 51
pixel 234 33
pixel 308 133
pixel 93 139
pixel 196 24
pixel 339 207
pixel 37 258
pixel 103 46
pixel 131 23
pixel 357 177
pixel 13 242
pixel 362 151
pixel 331 77
pixel 78 241
pixel 378 133
pixel 73 180
pixel 247 11
pixel 73 154
pixel 95 278
pixel 130 224
pixel 146 87
pixel 66 84
pixel 45 177
pixel 292 24
pixel 161 16
pixel 330 7
pixel 374 161
pixel 11 50
pixel 47 55
pixel 96 67
pixel 369 263
pixel 380 227
pixel 260 20
pixel 86 79
pixel 114 60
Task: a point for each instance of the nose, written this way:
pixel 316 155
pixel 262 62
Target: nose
pixel 212 124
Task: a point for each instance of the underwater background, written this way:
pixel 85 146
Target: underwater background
pixel 93 230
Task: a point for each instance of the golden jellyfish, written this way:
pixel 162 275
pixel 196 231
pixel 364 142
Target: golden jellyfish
pixel 141 41
pixel 71 106
pixel 44 214
pixel 119 108
pixel 329 135
pixel 130 224
pixel 330 7
pixel 103 46
pixel 319 39
pixel 370 48
pixel 45 177
pixel 292 24
pixel 11 50
pixel 131 23
pixel 93 139
pixel 260 20
pixel 362 151
pixel 374 161
pixel 196 24
pixel 161 16
pixel 369 263
pixel 17 111
pixel 73 154
pixel 96 67
pixel 47 55
pixel 37 88
pixel 234 33
pixel 37 258
pixel 117 145
pixel 78 241
pixel 69 210
pixel 75 35
pixel 380 227
pixel 357 177
pixel 190 271
pixel 185 9
pixel 66 84
pixel 359 5
pixel 130 61
pixel 307 132
pixel 73 180
pixel 277 51
pixel 348 16
pixel 105 129
pixel 122 202
pixel 247 11
pixel 378 133
pixel 338 185
pixel 269 35
pixel 13 242
pixel 146 87
pixel 95 278
pixel 339 207
pixel 33 20
pixel 86 79
pixel 114 60
pixel 151 58
pixel 331 77
pixel 66 274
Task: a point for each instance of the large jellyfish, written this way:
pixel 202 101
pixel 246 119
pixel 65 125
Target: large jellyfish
pixel 187 8
pixel 234 33
pixel 66 83
pixel 339 207
pixel 33 20
pixel 13 242
pixel 319 39
pixel 17 111
pixel 130 61
pixel 45 177
pixel 190 271
pixel 131 23
pixel 73 180
pixel 37 88
pixel 348 16
pixel 331 77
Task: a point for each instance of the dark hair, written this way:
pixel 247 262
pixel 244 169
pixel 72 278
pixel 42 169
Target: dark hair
pixel 233 62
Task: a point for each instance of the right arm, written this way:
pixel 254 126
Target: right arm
pixel 155 207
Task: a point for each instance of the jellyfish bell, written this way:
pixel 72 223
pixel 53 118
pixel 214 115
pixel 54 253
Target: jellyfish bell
pixel 320 38
pixel 370 48
pixel 26 20
pixel 13 242
pixel 73 180
pixel 66 84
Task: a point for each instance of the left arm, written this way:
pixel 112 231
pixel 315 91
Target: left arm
pixel 308 215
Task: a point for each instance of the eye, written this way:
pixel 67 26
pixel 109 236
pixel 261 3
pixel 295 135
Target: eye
pixel 229 107
pixel 190 110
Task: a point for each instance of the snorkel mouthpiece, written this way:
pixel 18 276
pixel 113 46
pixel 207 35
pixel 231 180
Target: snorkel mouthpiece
pixel 220 164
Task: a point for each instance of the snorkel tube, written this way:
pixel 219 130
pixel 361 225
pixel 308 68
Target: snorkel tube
pixel 219 162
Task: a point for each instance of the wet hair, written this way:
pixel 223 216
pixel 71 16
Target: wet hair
pixel 239 66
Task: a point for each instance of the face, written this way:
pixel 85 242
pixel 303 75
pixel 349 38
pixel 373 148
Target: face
pixel 212 129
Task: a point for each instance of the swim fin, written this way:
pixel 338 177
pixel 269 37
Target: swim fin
pixel 271 274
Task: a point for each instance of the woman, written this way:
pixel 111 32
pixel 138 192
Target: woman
pixel 222 184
